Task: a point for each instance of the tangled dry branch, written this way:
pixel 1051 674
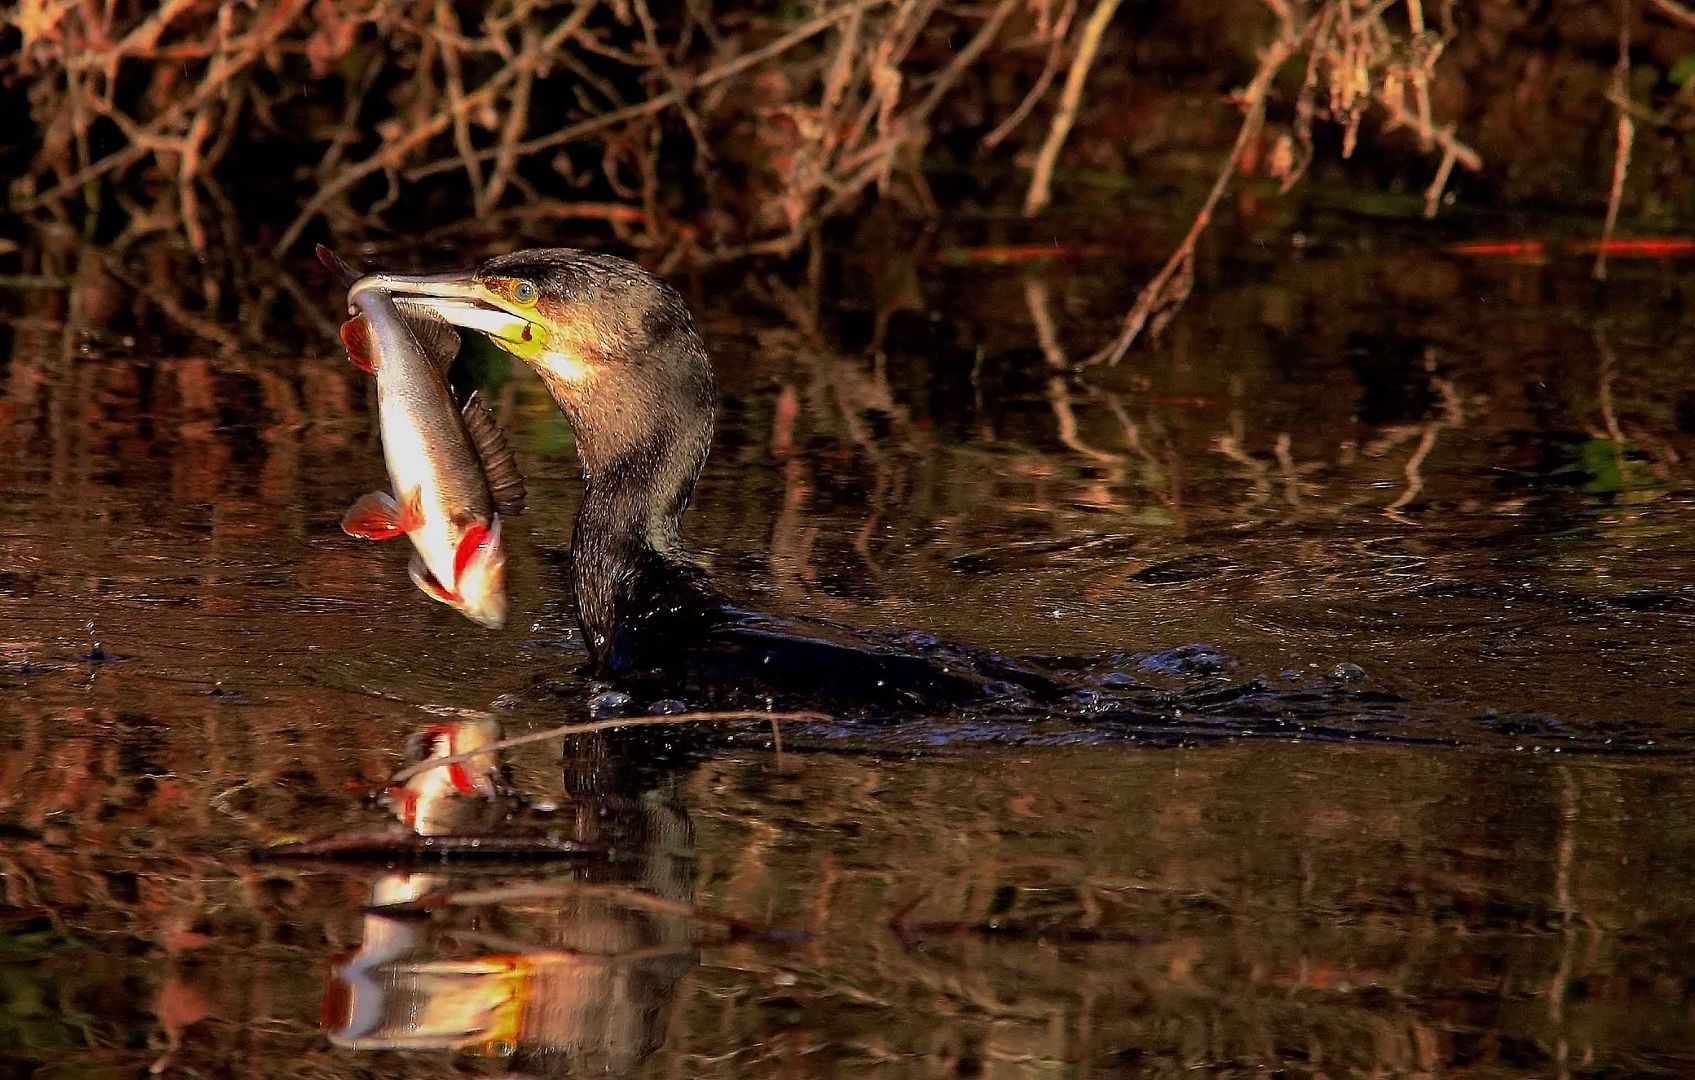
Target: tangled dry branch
pixel 1355 63
pixel 767 125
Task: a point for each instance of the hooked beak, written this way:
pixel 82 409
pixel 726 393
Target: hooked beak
pixel 458 298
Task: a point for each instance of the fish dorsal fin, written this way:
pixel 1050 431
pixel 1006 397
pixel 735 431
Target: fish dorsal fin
pixel 338 266
pixel 505 483
pixel 439 339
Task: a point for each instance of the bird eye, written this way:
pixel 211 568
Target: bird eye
pixel 524 292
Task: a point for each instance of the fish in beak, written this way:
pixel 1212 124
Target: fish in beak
pixel 451 472
pixel 505 310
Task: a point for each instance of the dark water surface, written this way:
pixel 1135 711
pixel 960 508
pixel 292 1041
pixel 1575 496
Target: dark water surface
pixel 1403 542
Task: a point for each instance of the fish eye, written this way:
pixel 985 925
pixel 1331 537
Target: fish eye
pixel 524 292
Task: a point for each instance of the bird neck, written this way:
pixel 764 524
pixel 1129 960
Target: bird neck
pixel 628 569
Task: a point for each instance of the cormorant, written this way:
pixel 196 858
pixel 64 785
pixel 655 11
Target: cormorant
pixel 619 352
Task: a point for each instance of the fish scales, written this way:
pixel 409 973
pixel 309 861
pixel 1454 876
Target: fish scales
pixel 442 498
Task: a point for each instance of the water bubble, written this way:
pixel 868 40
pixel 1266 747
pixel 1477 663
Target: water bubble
pixel 607 705
pixel 1348 673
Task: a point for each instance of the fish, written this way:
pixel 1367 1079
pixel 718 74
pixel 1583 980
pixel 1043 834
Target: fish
pixel 451 470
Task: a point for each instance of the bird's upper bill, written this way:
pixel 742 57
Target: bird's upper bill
pixel 506 309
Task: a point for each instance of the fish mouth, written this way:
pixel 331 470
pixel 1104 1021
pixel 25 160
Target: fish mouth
pixel 456 297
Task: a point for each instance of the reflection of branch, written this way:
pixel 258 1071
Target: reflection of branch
pixel 1558 986
pixel 1230 445
pixel 1283 448
pixel 542 955
pixel 1414 470
pixel 1453 414
pixel 627 895
pixel 1059 394
pixel 392 845
pixel 166 298
pixel 1604 396
pixel 1133 438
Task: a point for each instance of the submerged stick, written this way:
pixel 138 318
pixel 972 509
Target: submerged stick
pixel 564 730
pixel 404 845
pixel 627 895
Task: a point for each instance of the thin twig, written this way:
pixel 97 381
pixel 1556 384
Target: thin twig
pixel 1050 68
pixel 1421 79
pixel 226 65
pixel 1626 137
pixel 448 30
pixel 1088 45
pixel 1438 184
pixel 517 115
pixel 1444 137
pixel 1676 11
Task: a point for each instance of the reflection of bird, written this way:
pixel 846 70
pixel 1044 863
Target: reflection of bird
pixel 618 351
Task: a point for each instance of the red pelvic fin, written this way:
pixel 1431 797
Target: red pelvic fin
pixel 460 777
pixel 426 581
pixel 356 335
pixel 373 516
pixel 411 511
pixel 476 535
pixel 405 803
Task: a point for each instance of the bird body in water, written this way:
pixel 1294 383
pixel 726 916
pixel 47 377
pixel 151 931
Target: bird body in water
pixel 619 353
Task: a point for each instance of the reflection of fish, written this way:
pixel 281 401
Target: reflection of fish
pixel 453 961
pixel 450 468
pixel 431 802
